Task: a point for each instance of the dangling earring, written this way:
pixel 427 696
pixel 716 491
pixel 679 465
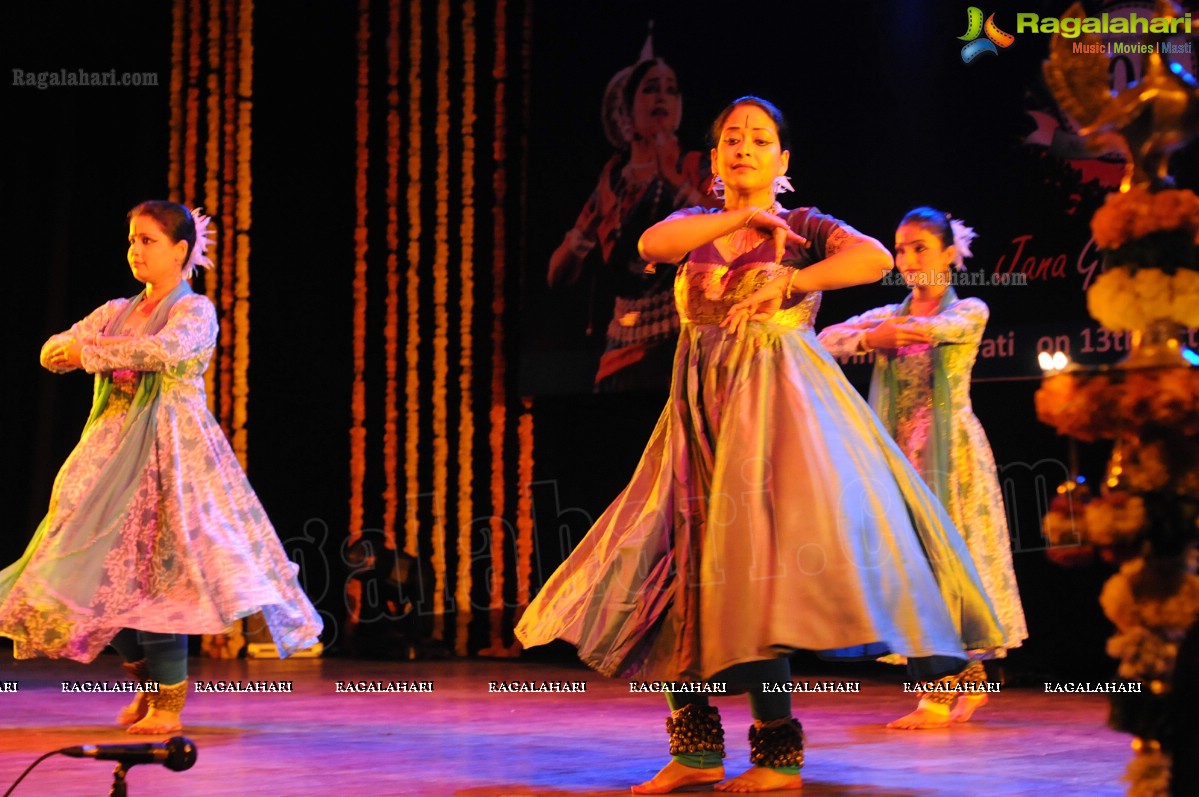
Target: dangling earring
pixel 782 184
pixel 716 187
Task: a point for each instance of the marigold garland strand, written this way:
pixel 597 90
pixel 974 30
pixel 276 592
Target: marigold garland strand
pixel 466 365
pixel 524 510
pixel 358 395
pixel 390 333
pixel 499 391
pixel 190 122
pixel 441 258
pixel 220 119
pixel 227 254
pixel 192 116
pixel 412 380
pixel 175 171
pixel 244 190
pixel 210 197
pixel 447 258
pixel 211 51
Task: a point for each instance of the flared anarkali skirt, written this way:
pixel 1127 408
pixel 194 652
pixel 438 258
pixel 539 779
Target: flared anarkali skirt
pixel 770 512
pixel 152 525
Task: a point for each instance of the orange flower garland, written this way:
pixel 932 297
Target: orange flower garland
pixel 524 484
pixel 412 380
pixel 1144 282
pixel 221 276
pixel 174 171
pixel 466 414
pixel 230 256
pixel 390 334
pixel 358 395
pixel 206 40
pixel 190 120
pixel 524 508
pixel 211 196
pixel 187 189
pixel 1128 215
pixel 1104 405
pixel 241 343
pixel 193 105
pixel 438 450
pixel 499 392
pixel 441 258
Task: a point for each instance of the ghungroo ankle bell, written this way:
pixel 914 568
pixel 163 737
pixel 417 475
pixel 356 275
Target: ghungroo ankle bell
pixel 974 674
pixel 169 697
pixel 941 692
pixel 695 729
pixel 777 744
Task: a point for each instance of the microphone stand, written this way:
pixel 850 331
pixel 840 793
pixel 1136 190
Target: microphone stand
pixel 119 788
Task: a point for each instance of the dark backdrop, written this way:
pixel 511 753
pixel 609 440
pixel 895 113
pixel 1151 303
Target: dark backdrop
pixel 885 116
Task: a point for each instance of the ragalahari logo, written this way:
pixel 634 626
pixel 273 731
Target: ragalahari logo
pixel 975 27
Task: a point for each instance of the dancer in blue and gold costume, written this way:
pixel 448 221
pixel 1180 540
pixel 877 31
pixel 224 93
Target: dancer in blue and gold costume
pixel 771 511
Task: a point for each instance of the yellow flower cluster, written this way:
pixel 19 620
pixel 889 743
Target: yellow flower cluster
pixel 1120 300
pixel 1126 601
pixel 1061 526
pixel 1143 654
pixel 1150 624
pixel 1129 215
pixel 1112 519
pixel 1148 774
pixel 1145 466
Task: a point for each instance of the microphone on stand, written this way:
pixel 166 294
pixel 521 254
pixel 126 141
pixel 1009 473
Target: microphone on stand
pixel 177 753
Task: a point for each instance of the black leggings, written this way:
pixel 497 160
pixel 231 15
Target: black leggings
pixel 165 654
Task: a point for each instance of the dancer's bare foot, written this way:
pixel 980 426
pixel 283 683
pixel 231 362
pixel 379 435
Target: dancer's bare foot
pixel 134 711
pixel 759 779
pixel 675 776
pixel 926 715
pixel 157 721
pixel 966 705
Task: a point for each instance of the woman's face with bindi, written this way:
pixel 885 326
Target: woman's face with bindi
pixel 748 155
pixel 657 105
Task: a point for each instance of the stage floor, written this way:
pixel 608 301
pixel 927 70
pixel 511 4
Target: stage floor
pixel 462 741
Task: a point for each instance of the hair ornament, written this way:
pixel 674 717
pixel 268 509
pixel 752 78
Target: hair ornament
pixel 205 236
pixel 963 236
pixel 616 118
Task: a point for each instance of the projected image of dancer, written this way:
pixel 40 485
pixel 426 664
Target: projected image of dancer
pixel 647 177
